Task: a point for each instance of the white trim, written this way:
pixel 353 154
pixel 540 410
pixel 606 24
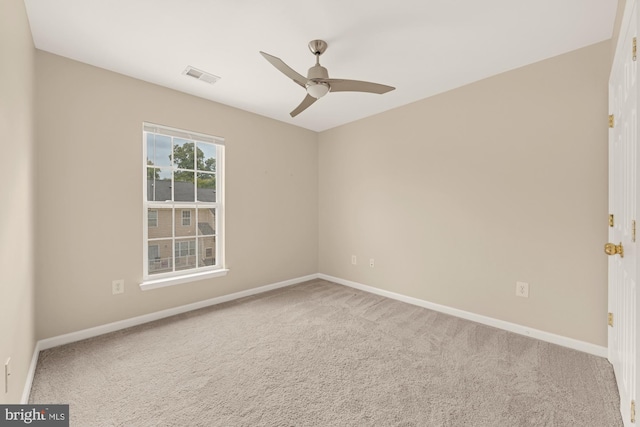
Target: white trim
pixel 127 323
pixel 185 278
pixel 583 346
pixel 26 392
pixel 220 231
pixel 139 320
pixel 181 133
pixel 146 318
pixel 627 16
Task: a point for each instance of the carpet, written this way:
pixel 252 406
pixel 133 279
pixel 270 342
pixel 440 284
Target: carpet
pixel 321 354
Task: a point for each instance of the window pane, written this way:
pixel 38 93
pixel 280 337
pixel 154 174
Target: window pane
pixel 185 254
pixel 158 184
pixel 184 190
pixel 185 222
pixel 206 222
pixel 206 154
pixel 207 251
pixel 183 154
pixel 158 150
pixel 163 223
pixel 160 255
pixel 206 187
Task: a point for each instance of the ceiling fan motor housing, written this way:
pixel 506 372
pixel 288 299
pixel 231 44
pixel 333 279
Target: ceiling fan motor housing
pixel 317 72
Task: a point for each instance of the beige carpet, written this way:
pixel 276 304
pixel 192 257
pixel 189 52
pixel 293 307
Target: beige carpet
pixel 320 354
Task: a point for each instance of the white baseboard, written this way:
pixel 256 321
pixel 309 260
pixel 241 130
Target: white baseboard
pixel 139 320
pixel 30 374
pixel 585 347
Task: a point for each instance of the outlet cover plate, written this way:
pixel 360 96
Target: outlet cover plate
pixel 522 289
pixel 117 287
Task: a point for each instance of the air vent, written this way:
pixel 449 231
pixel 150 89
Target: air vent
pixel 200 75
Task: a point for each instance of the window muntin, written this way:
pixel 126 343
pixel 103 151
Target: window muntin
pixel 183 202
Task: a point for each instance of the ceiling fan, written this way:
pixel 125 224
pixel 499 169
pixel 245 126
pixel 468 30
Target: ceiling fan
pixel 317 83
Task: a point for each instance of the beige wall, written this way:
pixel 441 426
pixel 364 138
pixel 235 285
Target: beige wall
pixel 16 229
pixel 459 196
pixel 89 189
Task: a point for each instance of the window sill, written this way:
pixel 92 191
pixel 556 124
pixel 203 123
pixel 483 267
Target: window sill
pixel 177 280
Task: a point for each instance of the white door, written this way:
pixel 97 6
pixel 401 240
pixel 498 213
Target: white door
pixel 623 99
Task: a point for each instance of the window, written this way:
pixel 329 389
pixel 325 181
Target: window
pixel 154 252
pixel 183 204
pixel 152 219
pixel 186 218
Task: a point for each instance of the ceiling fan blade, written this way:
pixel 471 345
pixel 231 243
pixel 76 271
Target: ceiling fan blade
pixel 285 69
pixel 341 85
pixel 306 102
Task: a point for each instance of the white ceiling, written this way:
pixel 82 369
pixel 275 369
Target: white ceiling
pixel 422 47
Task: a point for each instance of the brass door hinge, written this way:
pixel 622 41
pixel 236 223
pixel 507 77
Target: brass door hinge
pixel 633 230
pixel 610 319
pixel 610 220
pixel 633 411
pixel 634 50
pixel 611 120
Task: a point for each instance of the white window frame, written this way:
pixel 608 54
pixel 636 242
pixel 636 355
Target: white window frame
pixel 177 276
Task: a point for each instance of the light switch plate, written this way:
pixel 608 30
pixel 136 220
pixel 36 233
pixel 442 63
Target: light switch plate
pixel 7 373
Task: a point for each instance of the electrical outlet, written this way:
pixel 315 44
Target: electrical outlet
pixel 117 287
pixel 522 289
pixel 353 260
pixel 7 373
pixel 371 263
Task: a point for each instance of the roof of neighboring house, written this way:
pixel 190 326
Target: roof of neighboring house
pixel 205 228
pixel 183 192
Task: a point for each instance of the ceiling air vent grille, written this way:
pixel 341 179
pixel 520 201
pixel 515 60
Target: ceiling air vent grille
pixel 200 75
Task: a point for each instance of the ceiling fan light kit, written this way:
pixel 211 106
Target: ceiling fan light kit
pixel 317 83
pixel 317 89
